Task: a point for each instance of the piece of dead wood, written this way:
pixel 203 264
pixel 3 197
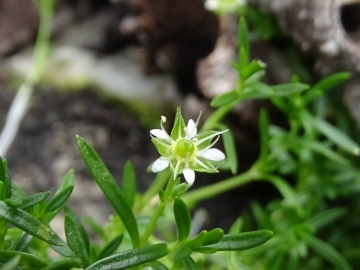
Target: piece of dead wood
pixel 330 30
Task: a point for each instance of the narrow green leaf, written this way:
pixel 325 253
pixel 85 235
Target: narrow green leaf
pixel 179 190
pixel 63 250
pixel 254 67
pixel 236 227
pixel 256 77
pixel 62 194
pixel 64 264
pixel 282 90
pixel 111 247
pixel 2 191
pixel 17 192
pixel 29 224
pixel 182 218
pixel 230 147
pixel 178 130
pixel 189 264
pixel 212 237
pixel 22 243
pixel 75 241
pixel 326 217
pixel 129 183
pixel 325 85
pixel 25 258
pixel 243 41
pixel 206 250
pixel 34 199
pixel 131 258
pixel 335 135
pixel 109 187
pixel 155 265
pixel 56 203
pixel 11 264
pixel 224 99
pixel 242 241
pixel 327 251
pixel 262 219
pixel 326 151
pixel 98 229
pixel 285 189
pixel 264 134
pixel 182 251
pixel 257 90
pixel 5 177
pixel 80 228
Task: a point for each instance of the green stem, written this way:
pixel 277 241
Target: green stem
pixel 216 117
pixel 158 213
pixel 215 189
pixel 154 188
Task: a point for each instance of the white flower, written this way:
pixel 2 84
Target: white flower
pixel 184 150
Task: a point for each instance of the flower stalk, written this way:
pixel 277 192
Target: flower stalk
pixel 158 213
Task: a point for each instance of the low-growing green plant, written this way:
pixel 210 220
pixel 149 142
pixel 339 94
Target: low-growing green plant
pixel 304 229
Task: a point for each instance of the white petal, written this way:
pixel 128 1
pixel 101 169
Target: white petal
pixel 189 175
pixel 159 133
pixel 190 129
pixel 160 164
pixel 213 154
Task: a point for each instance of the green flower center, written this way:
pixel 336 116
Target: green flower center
pixel 184 148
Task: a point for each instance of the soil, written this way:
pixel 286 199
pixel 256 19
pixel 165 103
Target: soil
pixel 45 147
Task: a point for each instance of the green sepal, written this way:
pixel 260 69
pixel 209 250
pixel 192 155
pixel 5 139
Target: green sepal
pixel 178 130
pixel 129 183
pixel 75 240
pixel 111 247
pixel 111 190
pixel 131 258
pixel 161 148
pixel 242 241
pixel 25 258
pixel 197 167
pixel 182 218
